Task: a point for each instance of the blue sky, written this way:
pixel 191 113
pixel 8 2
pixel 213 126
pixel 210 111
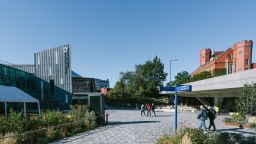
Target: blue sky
pixel 110 36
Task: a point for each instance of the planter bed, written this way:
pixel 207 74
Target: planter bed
pixel 237 125
pixel 233 124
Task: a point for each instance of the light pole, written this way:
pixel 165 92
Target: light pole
pixel 171 68
pixel 175 100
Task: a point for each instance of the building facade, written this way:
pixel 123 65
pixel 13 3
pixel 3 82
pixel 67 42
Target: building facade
pixel 235 59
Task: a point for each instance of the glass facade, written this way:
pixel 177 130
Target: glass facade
pixel 34 86
pixel 101 83
pixel 81 85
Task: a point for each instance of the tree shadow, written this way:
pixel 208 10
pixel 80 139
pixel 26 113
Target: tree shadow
pixel 237 130
pixel 164 115
pixel 131 122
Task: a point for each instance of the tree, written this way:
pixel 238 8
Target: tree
pixel 141 82
pixel 181 78
pixel 150 75
pixel 201 76
pixel 246 103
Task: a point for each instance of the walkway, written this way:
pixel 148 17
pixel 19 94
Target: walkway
pixel 128 127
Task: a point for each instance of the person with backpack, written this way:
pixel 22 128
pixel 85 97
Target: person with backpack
pixel 153 109
pixel 202 116
pixel 212 114
pixel 142 110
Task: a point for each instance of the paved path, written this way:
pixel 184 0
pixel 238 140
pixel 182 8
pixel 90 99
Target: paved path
pixel 128 127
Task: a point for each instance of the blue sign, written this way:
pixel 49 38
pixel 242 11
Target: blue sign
pixel 167 88
pixel 176 89
pixel 184 88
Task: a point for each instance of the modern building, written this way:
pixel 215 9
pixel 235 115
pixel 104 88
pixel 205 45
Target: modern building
pixel 51 81
pixel 235 59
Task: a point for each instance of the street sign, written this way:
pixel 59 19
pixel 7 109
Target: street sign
pixel 167 88
pixel 176 89
pixel 184 88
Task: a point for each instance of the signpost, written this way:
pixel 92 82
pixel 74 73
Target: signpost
pixel 176 90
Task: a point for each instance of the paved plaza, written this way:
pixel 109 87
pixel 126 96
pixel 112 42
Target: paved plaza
pixel 128 127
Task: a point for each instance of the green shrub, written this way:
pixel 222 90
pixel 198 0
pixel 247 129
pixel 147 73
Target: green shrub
pixel 49 126
pixel 252 125
pixel 236 118
pixel 10 139
pixel 197 136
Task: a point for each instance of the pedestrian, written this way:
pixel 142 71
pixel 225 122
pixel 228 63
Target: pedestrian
pixel 212 115
pixel 137 106
pixel 149 110
pixel 142 110
pixel 153 109
pixel 202 116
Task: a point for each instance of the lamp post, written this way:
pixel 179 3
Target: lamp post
pixel 171 68
pixel 175 101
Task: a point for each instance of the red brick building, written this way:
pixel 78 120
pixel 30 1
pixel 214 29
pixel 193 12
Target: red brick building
pixel 235 59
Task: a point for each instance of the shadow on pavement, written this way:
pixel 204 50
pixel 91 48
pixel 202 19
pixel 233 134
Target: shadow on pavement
pixel 131 122
pixel 164 115
pixel 238 130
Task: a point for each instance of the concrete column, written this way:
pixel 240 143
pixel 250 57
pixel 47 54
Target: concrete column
pixel 5 106
pixel 218 101
pixel 25 109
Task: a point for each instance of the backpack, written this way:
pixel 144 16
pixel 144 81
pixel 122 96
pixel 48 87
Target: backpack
pixel 214 113
pixel 204 114
pixel 142 107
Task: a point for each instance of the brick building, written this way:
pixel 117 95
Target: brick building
pixel 235 59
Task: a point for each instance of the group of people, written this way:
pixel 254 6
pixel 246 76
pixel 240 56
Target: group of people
pixel 204 114
pixel 149 108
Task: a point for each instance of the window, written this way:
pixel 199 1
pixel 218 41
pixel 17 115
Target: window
pixel 38 60
pixel 246 62
pixel 52 86
pixel 229 56
pixel 240 52
pixel 56 57
pixel 50 71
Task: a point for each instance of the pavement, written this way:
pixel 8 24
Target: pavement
pixel 129 127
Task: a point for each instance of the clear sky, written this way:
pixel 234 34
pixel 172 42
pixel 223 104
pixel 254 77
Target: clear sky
pixel 110 36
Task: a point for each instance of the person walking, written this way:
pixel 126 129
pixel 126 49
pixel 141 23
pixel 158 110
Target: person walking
pixel 153 109
pixel 149 110
pixel 202 116
pixel 142 110
pixel 212 115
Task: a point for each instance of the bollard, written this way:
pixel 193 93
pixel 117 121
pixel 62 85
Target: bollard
pixel 107 118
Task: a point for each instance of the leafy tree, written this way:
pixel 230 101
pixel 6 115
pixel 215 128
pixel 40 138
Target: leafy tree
pixel 141 82
pixel 180 78
pixel 201 76
pixel 246 103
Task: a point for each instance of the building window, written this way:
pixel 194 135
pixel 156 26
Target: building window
pixel 246 62
pixel 56 57
pixel 61 81
pixel 240 52
pixel 38 60
pixel 229 56
pixel 52 86
pixel 50 71
pixel 66 99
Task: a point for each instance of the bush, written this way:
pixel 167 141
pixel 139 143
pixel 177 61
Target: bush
pixel 197 136
pixel 49 126
pixel 236 118
pixel 10 139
